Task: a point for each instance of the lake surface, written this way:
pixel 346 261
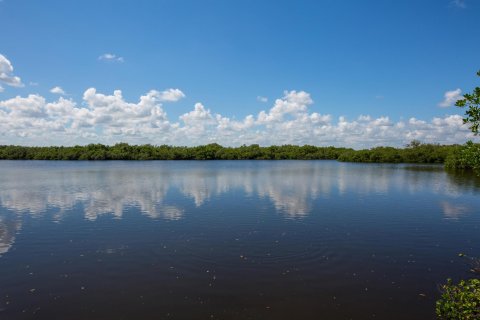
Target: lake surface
pixel 231 239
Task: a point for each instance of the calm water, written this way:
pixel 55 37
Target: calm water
pixel 231 240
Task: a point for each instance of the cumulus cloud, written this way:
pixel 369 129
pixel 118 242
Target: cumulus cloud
pixel 110 57
pixel 199 115
pixel 110 118
pixel 30 107
pixel 6 73
pixel 450 97
pixel 58 90
pixel 293 103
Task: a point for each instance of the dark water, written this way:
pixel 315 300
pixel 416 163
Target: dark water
pixel 231 240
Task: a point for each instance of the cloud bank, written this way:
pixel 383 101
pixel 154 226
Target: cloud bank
pixel 108 119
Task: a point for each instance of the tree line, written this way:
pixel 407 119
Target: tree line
pixel 454 156
pixel 214 151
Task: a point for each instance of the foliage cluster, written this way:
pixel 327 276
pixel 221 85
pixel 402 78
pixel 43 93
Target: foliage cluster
pixel 459 301
pixel 472 114
pixel 466 157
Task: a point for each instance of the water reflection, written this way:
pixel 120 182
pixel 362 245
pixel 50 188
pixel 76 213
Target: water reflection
pixel 109 188
pixel 453 211
pixel 9 226
pixel 100 188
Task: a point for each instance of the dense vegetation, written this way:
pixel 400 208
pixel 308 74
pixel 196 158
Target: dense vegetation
pixel 462 157
pixel 471 101
pixel 466 157
pixel 123 151
pixel 460 301
pixel 414 153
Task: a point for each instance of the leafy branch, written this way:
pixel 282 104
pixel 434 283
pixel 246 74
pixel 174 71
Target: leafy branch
pixel 472 102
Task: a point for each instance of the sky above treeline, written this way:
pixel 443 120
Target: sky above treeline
pixel 344 73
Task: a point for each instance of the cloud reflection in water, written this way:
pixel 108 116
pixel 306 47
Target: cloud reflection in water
pixel 100 188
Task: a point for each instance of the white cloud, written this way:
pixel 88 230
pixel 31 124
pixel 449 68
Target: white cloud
pixel 293 103
pixel 58 90
pixel 109 118
pixel 198 115
pixel 459 4
pixel 450 97
pixel 262 99
pixel 29 107
pixel 6 73
pixel 110 57
pixel 171 95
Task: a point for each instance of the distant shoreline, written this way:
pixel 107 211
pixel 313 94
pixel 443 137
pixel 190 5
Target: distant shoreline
pixel 413 153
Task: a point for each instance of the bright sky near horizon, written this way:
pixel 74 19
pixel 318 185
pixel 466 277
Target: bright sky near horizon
pixel 343 73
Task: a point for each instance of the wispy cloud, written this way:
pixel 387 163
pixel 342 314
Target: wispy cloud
pixel 450 97
pixel 459 4
pixel 58 90
pixel 6 73
pixel 110 57
pixel 262 99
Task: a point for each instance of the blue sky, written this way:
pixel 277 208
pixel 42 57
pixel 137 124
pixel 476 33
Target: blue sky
pixel 381 59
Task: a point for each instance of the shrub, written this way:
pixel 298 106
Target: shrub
pixel 460 301
pixel 466 157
